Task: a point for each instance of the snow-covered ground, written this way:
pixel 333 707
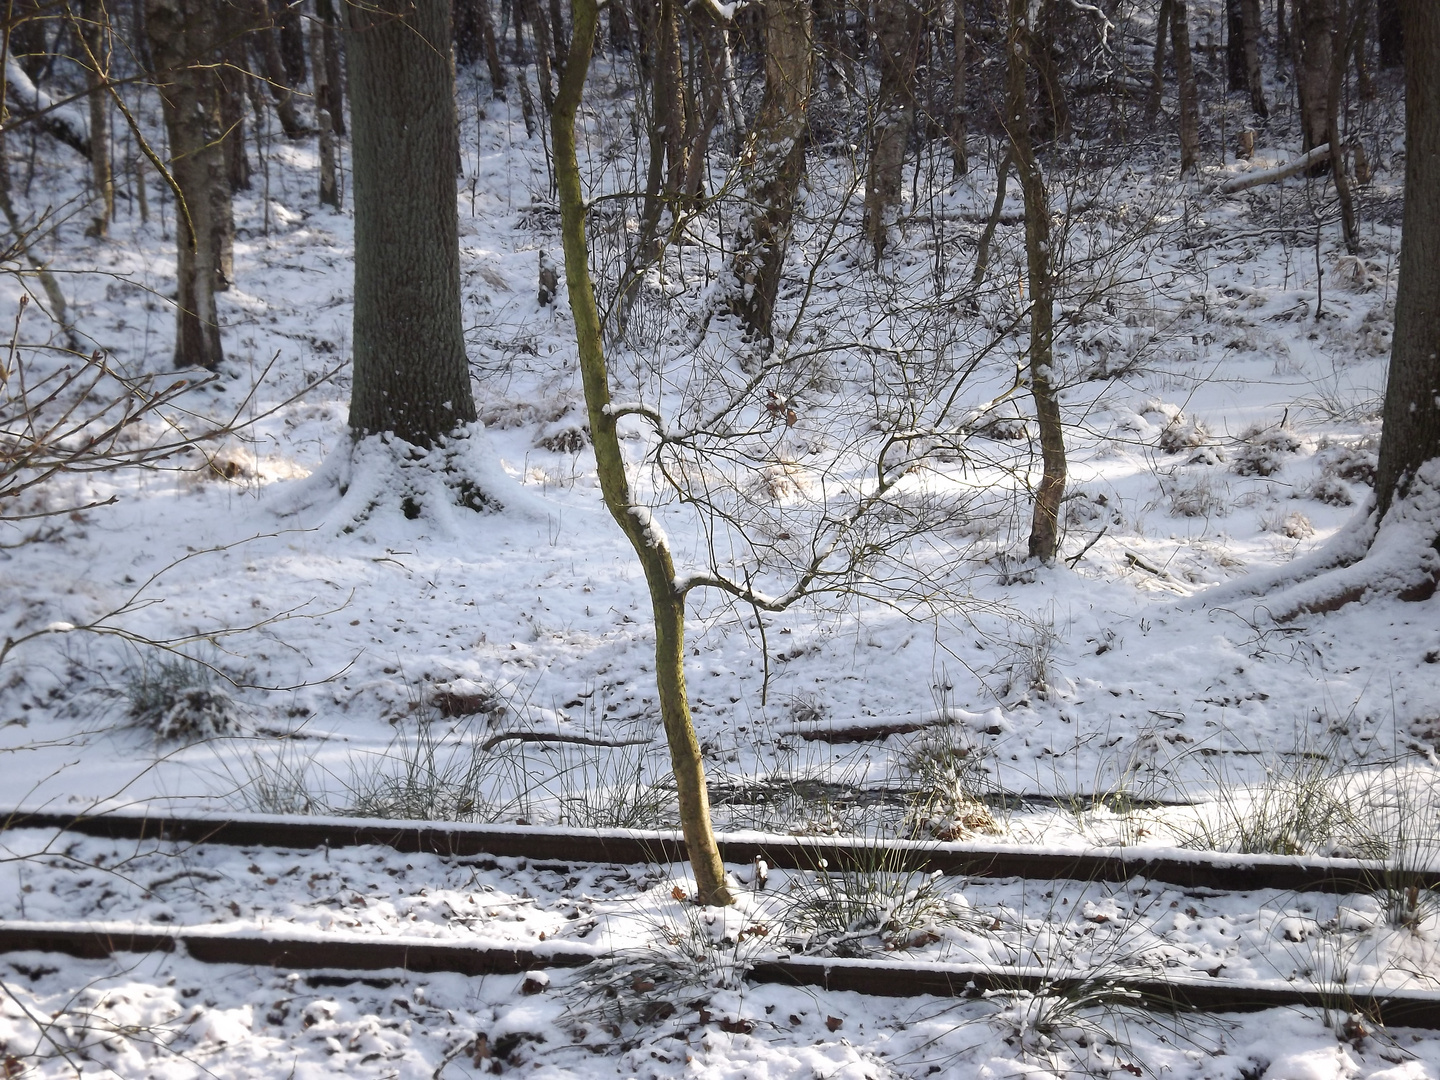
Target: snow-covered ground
pixel 1223 370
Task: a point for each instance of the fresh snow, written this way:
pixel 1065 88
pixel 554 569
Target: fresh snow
pixel 1218 443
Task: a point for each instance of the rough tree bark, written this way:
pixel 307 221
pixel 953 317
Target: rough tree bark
pixel 1045 521
pixel 670 99
pixel 183 36
pixel 898 39
pixel 1394 549
pixel 1185 82
pixel 1051 117
pixel 1389 34
pixel 234 75
pixel 1411 433
pixel 774 164
pixel 645 536
pixel 1313 23
pixel 411 374
pixel 1250 49
pixel 267 43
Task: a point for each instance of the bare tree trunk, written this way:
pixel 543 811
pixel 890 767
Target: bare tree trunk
pixel 774 164
pixel 1411 425
pixel 959 112
pixel 1157 70
pixel 982 249
pixel 96 30
pixel 1185 79
pixel 291 34
pixel 1052 117
pixel 412 377
pixel 183 35
pixel 267 41
pixel 334 67
pixel 1314 20
pixel 669 81
pixel 1389 33
pixel 1348 22
pixel 329 182
pixel 492 49
pixel 1235 74
pixel 544 50
pixel 234 76
pixel 465 15
pixel 1254 76
pixel 557 37
pixel 622 37
pixel 1045 521
pixel 899 44
pixel 666 601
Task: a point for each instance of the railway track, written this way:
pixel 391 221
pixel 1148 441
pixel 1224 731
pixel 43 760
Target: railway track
pixel 339 957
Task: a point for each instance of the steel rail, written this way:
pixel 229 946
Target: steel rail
pixel 345 959
pixel 1186 869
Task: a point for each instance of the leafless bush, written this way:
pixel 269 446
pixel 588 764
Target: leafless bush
pixel 65 414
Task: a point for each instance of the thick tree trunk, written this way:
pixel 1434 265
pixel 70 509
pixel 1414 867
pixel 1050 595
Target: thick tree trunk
pixel 1389 33
pixel 1234 47
pixel 183 34
pixel 1314 20
pixel 469 42
pixel 291 33
pixel 774 165
pixel 234 73
pixel 96 30
pixel 1250 47
pixel 492 49
pixel 651 547
pixel 544 50
pixel 411 373
pixel 1051 117
pixel 669 114
pixel 1045 521
pixel 267 41
pixel 1185 81
pixel 898 39
pixel 1411 433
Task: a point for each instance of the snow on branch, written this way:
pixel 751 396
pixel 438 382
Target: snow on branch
pixel 1278 173
pixel 34 104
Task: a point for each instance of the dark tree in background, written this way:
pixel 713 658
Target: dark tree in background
pixel 183 35
pixel 775 164
pixel 411 373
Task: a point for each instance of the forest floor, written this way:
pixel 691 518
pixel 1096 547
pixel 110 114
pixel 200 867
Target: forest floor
pixel 1223 361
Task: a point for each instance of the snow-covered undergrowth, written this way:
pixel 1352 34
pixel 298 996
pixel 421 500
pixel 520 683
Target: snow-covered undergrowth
pixel 1221 370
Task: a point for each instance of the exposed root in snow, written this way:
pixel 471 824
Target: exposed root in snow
pixel 380 475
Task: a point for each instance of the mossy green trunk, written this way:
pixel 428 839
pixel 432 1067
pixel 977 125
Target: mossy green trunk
pixel 666 601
